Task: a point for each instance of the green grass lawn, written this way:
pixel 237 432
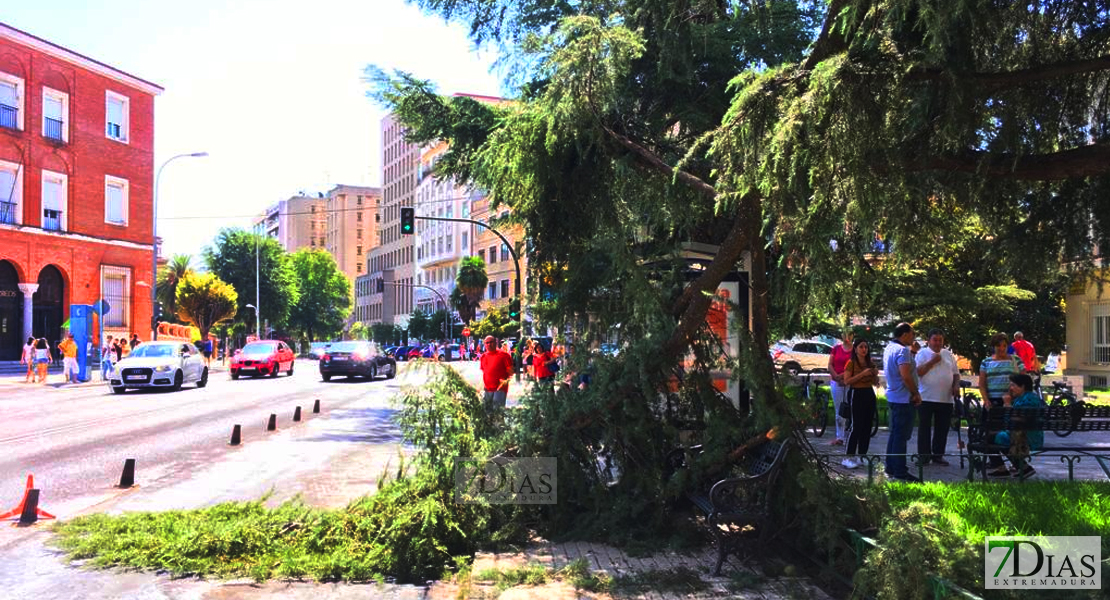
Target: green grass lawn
pixel 940 528
pixel 1101 396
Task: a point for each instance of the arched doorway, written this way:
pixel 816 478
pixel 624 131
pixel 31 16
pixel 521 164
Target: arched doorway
pixel 11 313
pixel 48 305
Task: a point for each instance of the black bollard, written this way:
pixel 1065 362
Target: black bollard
pixel 30 512
pixel 297 414
pixel 272 425
pixel 316 406
pixel 128 478
pixel 235 439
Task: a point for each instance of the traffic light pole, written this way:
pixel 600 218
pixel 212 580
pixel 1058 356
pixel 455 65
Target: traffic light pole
pixel 512 251
pixel 447 307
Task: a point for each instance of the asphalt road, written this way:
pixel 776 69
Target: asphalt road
pixel 75 440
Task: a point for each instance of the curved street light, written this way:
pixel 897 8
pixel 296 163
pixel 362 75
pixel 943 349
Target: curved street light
pixel 154 240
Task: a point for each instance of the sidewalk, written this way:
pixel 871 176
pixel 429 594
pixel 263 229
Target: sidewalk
pixel 11 382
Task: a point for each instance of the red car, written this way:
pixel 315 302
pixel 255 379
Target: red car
pixel 263 358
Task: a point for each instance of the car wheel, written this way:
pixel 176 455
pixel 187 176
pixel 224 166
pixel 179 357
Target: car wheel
pixel 390 370
pixel 178 379
pixel 118 390
pixel 791 369
pixel 373 372
pixel 235 375
pixel 203 378
pixel 325 376
pixel 274 371
pixel 290 372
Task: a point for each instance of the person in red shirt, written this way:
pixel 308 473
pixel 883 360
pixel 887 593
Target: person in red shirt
pixel 1025 351
pixel 542 362
pixel 497 369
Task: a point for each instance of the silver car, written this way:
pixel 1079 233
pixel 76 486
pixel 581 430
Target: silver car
pixel 167 365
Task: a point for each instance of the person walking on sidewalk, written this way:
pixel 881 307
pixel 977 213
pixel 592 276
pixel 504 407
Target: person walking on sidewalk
pixel 68 348
pixel 42 358
pixel 28 357
pixel 902 396
pixel 106 356
pixel 497 369
pixel 940 381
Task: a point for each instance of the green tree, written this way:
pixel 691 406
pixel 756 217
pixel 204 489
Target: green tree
pixel 790 136
pixel 470 283
pixel 359 331
pixel 232 258
pixel 168 277
pixel 496 323
pixel 385 333
pixel 325 300
pixel 419 326
pixel 203 301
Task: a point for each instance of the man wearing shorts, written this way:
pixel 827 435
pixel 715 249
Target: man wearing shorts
pixel 68 347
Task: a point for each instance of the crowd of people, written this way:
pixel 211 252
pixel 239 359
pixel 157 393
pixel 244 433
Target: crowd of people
pixel 37 355
pixel 921 383
pixel 553 367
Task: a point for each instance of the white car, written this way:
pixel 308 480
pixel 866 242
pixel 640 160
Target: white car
pixel 799 356
pixel 159 365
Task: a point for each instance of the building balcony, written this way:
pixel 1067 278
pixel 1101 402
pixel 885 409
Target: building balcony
pixel 52 129
pixel 51 219
pixel 9 116
pixel 8 214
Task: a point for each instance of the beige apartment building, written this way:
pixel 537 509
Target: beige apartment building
pixel 500 268
pixel 391 262
pixel 296 223
pixel 353 215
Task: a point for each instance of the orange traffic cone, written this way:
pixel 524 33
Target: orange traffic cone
pixel 15 512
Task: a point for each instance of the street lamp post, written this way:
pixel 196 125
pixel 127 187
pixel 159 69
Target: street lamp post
pixel 257 330
pixel 154 240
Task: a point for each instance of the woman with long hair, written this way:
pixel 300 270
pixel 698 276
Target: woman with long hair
pixel 42 358
pixel 28 357
pixel 860 377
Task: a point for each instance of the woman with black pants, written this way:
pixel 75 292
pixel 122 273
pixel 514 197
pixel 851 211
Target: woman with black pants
pixel 860 375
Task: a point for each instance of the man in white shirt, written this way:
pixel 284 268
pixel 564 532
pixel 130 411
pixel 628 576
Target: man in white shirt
pixel 939 382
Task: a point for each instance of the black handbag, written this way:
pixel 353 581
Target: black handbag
pixel 844 411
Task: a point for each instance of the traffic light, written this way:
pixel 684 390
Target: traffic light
pixel 408 221
pixel 514 309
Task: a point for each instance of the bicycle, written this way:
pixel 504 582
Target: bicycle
pixel 817 403
pixel 966 409
pixel 1062 394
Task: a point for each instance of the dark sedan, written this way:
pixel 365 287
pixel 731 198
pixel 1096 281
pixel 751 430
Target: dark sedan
pixel 356 359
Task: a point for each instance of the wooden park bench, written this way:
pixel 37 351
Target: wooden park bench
pixel 1061 420
pixel 738 507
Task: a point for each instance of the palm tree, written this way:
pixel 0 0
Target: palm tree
pixel 168 278
pixel 471 280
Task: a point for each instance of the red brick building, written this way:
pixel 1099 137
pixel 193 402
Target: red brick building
pixel 76 186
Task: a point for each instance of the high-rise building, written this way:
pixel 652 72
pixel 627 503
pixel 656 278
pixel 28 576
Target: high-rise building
pixel 391 261
pixel 439 245
pixel 353 214
pixel 76 191
pixel 299 222
pixel 500 267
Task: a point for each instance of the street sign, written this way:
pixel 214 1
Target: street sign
pixel 466 332
pixel 102 307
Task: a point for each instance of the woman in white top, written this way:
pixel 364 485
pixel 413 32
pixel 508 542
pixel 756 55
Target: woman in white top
pixel 28 357
pixel 42 358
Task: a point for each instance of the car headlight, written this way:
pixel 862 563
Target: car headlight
pixel 162 369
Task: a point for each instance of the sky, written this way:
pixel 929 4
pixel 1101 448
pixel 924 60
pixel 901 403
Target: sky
pixel 271 89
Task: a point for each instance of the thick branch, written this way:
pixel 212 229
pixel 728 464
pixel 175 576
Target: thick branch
pixel 828 42
pixel 1007 79
pixel 694 302
pixel 650 159
pixel 1088 161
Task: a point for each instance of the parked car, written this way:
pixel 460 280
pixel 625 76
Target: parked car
pixel 794 357
pixel 356 359
pixel 266 357
pixel 159 365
